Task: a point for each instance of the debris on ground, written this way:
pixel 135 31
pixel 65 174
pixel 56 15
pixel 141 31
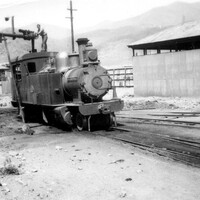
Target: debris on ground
pixel 58 148
pixel 123 194
pixel 34 170
pixel 49 174
pixel 25 129
pixel 139 171
pixel 134 103
pixel 128 179
pixel 118 161
pixel 9 168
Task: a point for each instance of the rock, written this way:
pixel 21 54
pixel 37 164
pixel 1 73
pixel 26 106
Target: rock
pixel 59 148
pixel 23 158
pixel 4 184
pixel 2 124
pixel 34 170
pixel 80 168
pixel 123 194
pixel 6 190
pixel 50 190
pixel 27 130
pixel 118 161
pixel 77 149
pixel 20 165
pixel 18 131
pixel 139 171
pixel 21 182
pixel 128 179
pixel 13 153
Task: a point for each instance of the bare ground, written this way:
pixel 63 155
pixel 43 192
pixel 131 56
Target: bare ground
pixel 61 165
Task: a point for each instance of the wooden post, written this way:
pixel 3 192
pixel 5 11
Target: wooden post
pixel 14 81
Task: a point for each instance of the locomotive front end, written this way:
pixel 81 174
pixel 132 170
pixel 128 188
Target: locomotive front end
pixel 84 83
pixel 87 82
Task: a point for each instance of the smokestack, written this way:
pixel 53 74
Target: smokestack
pixel 81 47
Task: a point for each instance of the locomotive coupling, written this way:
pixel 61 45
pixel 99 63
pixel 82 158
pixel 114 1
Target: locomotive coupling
pixel 104 108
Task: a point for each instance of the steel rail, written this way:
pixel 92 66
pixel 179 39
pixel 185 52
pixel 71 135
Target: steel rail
pixel 188 159
pixel 190 154
pixel 163 120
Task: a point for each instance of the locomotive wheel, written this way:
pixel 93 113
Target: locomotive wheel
pixel 101 122
pixel 108 122
pixel 81 122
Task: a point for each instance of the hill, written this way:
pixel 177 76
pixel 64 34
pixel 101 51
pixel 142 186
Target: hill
pixel 112 38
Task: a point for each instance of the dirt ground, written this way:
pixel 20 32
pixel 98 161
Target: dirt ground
pixel 58 165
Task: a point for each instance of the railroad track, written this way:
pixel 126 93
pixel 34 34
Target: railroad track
pixel 182 150
pixel 156 121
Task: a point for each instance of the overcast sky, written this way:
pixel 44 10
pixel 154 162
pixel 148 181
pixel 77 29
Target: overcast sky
pixel 89 12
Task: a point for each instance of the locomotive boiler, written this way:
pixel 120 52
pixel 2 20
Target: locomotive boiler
pixel 65 88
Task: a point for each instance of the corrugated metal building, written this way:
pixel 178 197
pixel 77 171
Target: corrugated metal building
pixel 168 63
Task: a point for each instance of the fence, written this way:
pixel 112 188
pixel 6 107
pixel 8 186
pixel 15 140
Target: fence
pixel 122 77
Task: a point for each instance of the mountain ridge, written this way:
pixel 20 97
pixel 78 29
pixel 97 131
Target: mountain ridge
pixel 112 38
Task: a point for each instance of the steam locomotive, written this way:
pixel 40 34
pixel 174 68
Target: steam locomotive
pixel 65 88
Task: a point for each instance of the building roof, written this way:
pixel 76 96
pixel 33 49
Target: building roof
pixel 4 66
pixel 188 32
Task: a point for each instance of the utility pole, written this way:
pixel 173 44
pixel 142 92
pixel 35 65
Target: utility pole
pixel 72 28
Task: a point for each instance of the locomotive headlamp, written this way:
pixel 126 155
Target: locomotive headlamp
pixel 92 55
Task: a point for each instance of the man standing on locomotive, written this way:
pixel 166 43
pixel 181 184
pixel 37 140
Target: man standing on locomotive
pixel 44 36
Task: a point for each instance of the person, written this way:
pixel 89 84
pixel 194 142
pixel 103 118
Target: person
pixel 44 36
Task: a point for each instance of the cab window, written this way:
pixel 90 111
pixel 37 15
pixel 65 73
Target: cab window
pixel 31 67
pixel 17 72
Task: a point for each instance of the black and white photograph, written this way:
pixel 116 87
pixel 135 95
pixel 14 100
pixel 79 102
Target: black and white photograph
pixel 99 99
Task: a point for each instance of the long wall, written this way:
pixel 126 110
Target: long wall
pixel 170 74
